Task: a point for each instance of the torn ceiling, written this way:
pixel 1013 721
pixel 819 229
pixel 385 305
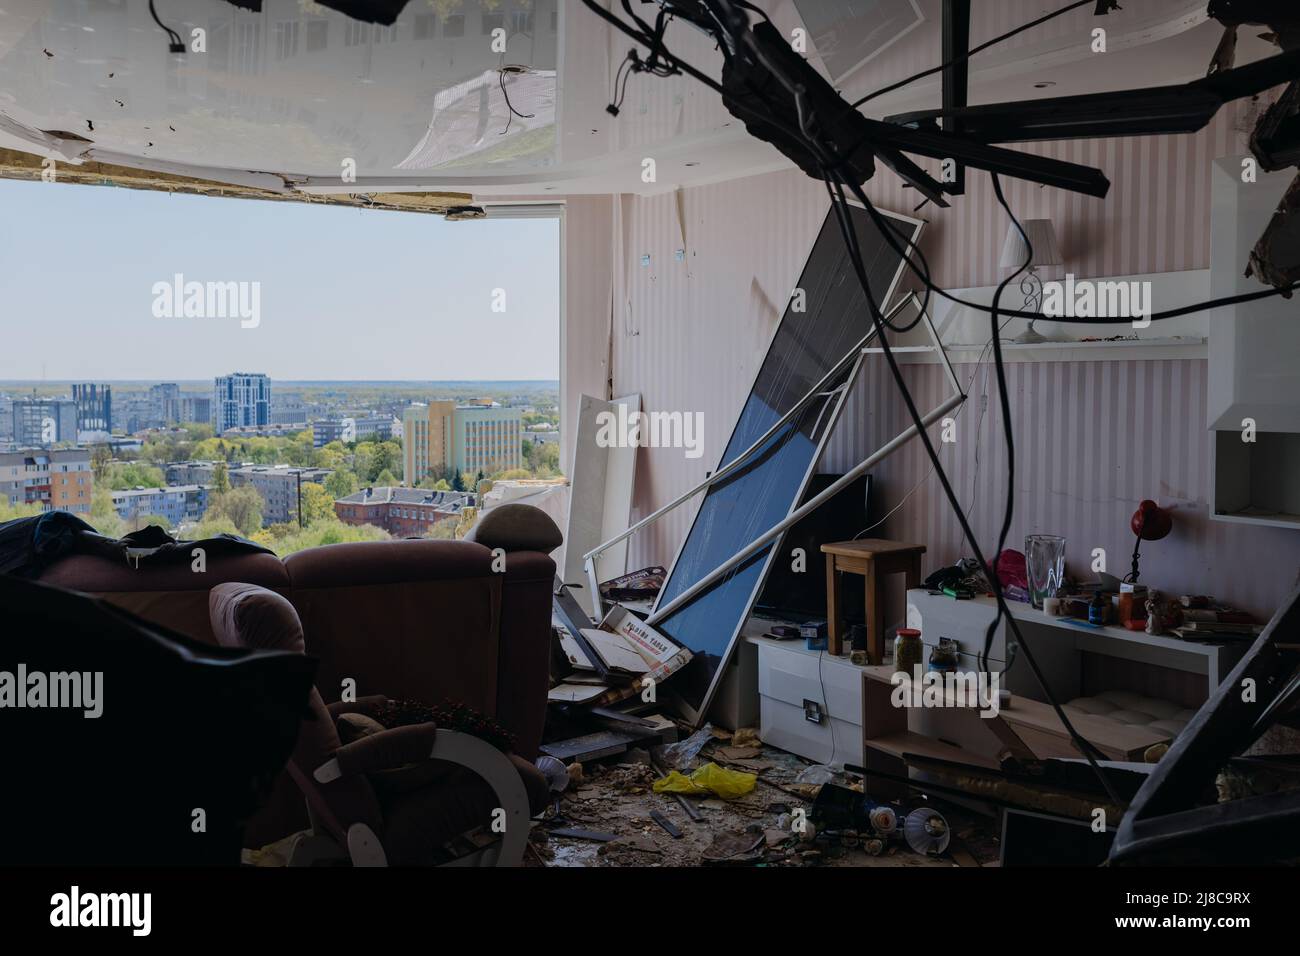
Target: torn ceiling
pixel 27 166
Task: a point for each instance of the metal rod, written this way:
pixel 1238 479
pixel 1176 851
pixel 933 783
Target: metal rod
pixel 811 505
pixel 593 581
pixel 735 463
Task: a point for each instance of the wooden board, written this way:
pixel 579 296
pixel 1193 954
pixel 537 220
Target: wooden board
pixel 590 746
pixel 1038 726
pixel 906 742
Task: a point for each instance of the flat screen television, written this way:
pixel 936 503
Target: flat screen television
pixel 799 596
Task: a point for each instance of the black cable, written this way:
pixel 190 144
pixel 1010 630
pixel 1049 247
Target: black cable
pixel 174 45
pixel 1003 398
pixel 1084 746
pixel 1206 305
pixel 840 212
pixel 849 234
pixel 690 70
pixel 968 54
pixel 1080 742
pixel 511 111
pixel 617 95
pixel 834 159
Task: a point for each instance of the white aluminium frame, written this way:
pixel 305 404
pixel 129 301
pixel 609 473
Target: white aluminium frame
pixel 662 610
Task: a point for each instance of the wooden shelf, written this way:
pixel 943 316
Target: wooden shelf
pixel 1034 721
pixel 907 742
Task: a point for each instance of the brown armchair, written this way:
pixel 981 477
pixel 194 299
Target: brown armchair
pixel 460 782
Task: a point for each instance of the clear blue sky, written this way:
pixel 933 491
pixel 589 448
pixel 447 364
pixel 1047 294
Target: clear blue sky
pixel 345 294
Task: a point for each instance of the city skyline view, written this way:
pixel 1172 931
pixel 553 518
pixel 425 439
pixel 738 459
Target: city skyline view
pixel 329 284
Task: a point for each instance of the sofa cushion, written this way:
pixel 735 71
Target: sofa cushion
pixel 516 527
pixel 246 615
pixel 173 596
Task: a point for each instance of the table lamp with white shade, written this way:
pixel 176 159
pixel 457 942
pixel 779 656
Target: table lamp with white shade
pixel 1042 238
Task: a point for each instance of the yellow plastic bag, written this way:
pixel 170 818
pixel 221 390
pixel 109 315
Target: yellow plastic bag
pixel 727 784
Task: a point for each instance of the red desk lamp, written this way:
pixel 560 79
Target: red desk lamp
pixel 1150 523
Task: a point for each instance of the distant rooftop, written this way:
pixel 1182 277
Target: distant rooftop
pixel 387 495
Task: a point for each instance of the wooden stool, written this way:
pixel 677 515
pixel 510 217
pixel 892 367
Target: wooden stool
pixel 872 558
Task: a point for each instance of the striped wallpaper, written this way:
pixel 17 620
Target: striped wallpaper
pixel 1092 440
pixel 689 329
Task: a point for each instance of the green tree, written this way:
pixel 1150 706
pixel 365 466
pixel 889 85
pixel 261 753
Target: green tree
pixel 10 512
pixel 444 529
pixel 341 483
pixel 103 516
pixel 387 478
pixel 457 482
pixel 546 460
pixel 241 506
pixel 220 478
pixel 211 526
pixel 388 457
pixel 134 474
pixel 317 504
pixel 363 463
pixel 99 462
pixel 328 531
pixel 334 455
pixel 299 451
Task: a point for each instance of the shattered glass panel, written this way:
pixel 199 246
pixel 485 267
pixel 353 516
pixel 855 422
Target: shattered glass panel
pixel 738 509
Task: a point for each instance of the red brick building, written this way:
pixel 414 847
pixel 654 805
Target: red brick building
pixel 402 512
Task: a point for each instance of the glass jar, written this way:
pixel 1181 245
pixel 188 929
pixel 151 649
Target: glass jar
pixel 944 656
pixel 908 650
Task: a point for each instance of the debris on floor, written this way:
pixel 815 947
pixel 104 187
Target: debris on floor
pixel 710 801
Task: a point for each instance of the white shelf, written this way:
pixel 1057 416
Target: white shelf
pixel 1124 350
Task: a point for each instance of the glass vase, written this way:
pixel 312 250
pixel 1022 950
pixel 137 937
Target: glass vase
pixel 1044 566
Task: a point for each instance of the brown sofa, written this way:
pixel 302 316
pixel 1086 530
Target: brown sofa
pixel 426 620
pixel 398 795
pixel 418 619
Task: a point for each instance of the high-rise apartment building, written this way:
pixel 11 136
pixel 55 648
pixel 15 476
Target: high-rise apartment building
pixel 173 503
pixel 60 480
pixel 94 408
pixel 278 485
pixel 193 408
pixel 476 437
pixel 44 421
pixel 162 402
pixel 426 440
pixel 326 430
pixel 241 398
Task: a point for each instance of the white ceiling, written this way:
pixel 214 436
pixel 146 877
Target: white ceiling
pixel 296 96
